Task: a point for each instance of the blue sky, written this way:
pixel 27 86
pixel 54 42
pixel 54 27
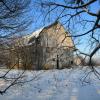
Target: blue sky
pixel 38 22
pixel 34 13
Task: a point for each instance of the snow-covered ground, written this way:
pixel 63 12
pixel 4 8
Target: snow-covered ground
pixel 66 84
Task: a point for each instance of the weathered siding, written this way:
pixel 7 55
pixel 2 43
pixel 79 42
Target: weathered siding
pixel 54 40
pixel 51 49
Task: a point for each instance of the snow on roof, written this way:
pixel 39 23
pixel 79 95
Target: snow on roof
pixel 34 34
pixel 37 32
pixel 30 37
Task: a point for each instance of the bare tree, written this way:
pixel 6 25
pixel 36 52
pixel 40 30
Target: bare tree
pixel 13 21
pixel 81 21
pixel 75 15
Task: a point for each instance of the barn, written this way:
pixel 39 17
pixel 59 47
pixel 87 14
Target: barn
pixel 47 48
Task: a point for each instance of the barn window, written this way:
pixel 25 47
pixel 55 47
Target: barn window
pixel 38 40
pixel 53 59
pixel 71 62
pixel 48 49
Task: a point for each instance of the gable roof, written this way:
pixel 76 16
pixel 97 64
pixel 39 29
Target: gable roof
pixel 29 39
pixel 36 33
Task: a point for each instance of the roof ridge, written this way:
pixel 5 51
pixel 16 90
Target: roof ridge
pixel 40 29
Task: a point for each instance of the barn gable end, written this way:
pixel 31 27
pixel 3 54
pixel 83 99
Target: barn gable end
pixel 52 48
